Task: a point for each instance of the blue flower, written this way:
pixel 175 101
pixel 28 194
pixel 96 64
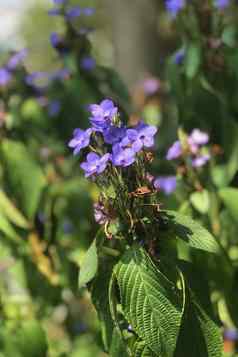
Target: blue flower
pixel 88 11
pixel 59 2
pixel 73 12
pixel 55 39
pixel 141 136
pixel 113 134
pixel 174 6
pixel 222 4
pixel 5 77
pixel 99 213
pixel 179 56
pixel 200 160
pixel 16 59
pixel 95 164
pixel 88 63
pixel 174 151
pixel 102 114
pixel 167 184
pixel 54 108
pixel 80 140
pixel 122 157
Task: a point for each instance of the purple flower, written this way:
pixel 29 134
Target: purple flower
pixel 95 164
pixel 60 74
pixel 5 77
pixel 73 12
pixel 179 56
pixel 231 334
pixel 88 63
pixel 200 160
pixel 102 114
pixel 34 79
pixel 167 184
pixel 59 2
pixel 222 4
pixel 113 134
pixel 88 11
pixel 55 39
pixel 122 157
pixel 151 86
pixel 54 108
pixel 141 136
pixel 99 213
pixel 80 140
pixel 174 151
pixel 174 6
pixel 16 59
pixel 198 137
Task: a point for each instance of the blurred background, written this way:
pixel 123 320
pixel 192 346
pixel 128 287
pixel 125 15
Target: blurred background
pixel 56 58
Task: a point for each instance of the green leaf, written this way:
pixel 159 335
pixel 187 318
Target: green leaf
pixel 32 340
pixel 141 350
pixel 117 348
pixel 25 178
pixel 100 298
pixel 230 198
pixel 11 212
pixel 89 266
pixel 152 304
pixel 193 60
pixel 229 36
pixel 200 201
pixel 7 229
pixel 200 335
pixel 191 232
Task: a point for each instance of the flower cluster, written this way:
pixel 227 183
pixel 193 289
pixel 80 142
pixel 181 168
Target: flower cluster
pixel 70 13
pixel 192 148
pixel 222 4
pixel 109 141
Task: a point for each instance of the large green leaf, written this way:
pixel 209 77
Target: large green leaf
pixel 117 348
pixel 200 335
pixel 229 196
pixel 151 303
pixel 89 267
pixel 191 232
pixel 25 178
pixel 32 340
pixel 141 350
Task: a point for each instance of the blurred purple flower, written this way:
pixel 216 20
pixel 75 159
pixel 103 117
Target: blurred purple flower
pixel 31 79
pixel 231 334
pixel 102 114
pixel 179 56
pixel 43 101
pixel 16 59
pixel 99 213
pixel 95 164
pixel 222 4
pixel 60 74
pixel 174 151
pixel 88 63
pixel 55 39
pixel 151 86
pixel 88 11
pixel 174 6
pixel 54 108
pixel 141 136
pixel 199 137
pixel 5 77
pixel 73 12
pixel 122 157
pixel 59 2
pixel 200 160
pixel 167 184
pixel 85 30
pixel 113 135
pixel 80 140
